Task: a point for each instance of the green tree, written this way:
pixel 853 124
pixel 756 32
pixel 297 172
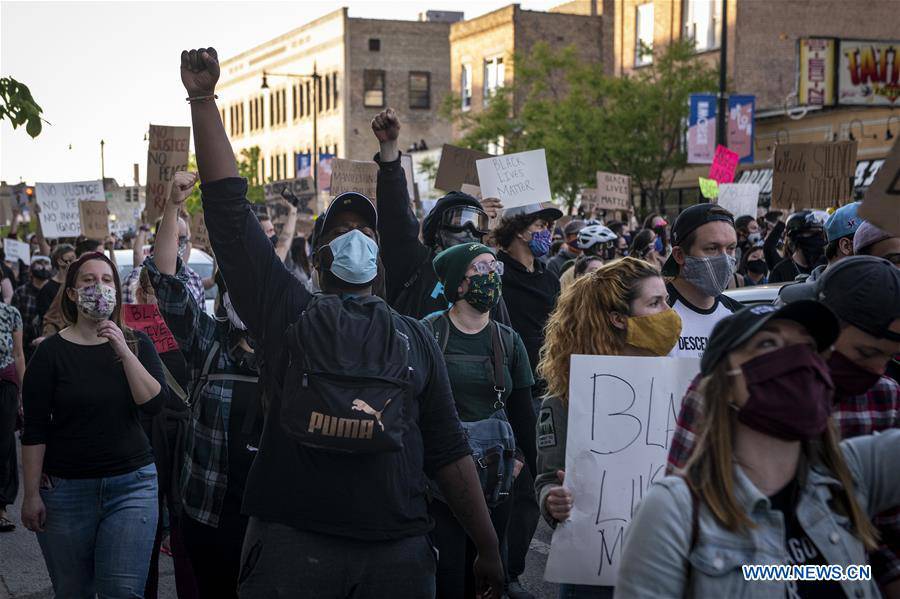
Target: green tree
pixel 248 167
pixel 17 105
pixel 587 121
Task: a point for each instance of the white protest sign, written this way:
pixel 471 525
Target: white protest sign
pixel 58 203
pixel 739 198
pixel 622 413
pixel 17 250
pixel 516 179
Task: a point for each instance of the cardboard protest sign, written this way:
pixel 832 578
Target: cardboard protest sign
pixel 613 191
pixel 516 179
pixel 622 413
pixel 58 204
pixel 166 155
pixel 199 234
pixel 709 189
pixel 94 218
pixel 813 175
pixel 739 198
pixel 457 166
pixel 881 205
pixel 353 175
pixel 724 164
pixel 17 250
pixel 472 190
pixel 588 201
pixel 147 319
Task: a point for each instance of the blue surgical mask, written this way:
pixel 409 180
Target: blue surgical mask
pixel 355 258
pixel 540 243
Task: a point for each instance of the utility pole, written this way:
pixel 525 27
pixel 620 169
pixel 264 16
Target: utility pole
pixel 721 113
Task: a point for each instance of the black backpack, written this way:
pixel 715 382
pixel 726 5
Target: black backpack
pixel 348 378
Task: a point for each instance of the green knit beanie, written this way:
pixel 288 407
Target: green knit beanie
pixel 451 265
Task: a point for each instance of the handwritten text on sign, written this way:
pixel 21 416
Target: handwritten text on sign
pixel 516 179
pixel 360 176
pixel 622 413
pixel 813 175
pixel 147 319
pixel 613 191
pixel 58 203
pixel 724 165
pixel 94 220
pixel 167 154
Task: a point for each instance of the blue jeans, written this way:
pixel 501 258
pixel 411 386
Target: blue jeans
pixel 99 534
pixel 584 591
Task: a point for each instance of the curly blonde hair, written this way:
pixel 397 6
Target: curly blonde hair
pixel 581 322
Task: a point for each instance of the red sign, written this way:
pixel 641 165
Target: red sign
pixel 147 319
pixel 724 165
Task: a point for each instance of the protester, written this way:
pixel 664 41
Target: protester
pixel 747 233
pixel 193 281
pixel 297 262
pixel 25 299
pixel 872 241
pixel 769 482
pixel 585 265
pixel 352 501
pixel 753 268
pixel 805 232
pixel 90 481
pixel 660 227
pixel 701 264
pixel 474 347
pixel 412 285
pixel 570 249
pixel 597 244
pixel 63 255
pixel 840 229
pixel 618 310
pixel 643 247
pixel 864 293
pixel 12 369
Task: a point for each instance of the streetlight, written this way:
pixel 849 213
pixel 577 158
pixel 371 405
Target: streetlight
pixel 102 165
pixel 316 79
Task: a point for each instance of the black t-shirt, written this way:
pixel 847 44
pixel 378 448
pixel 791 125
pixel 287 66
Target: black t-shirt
pixel 46 296
pixel 801 550
pixel 369 497
pixel 78 402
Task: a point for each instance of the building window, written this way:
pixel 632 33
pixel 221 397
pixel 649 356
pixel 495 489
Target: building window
pixel 295 101
pixel 278 107
pixel 643 42
pixel 493 76
pixel 419 89
pixel 334 90
pixel 703 23
pixel 373 90
pixel 465 86
pixel 496 147
pixel 327 92
pixel 308 97
pixel 374 45
pixel 320 105
pixel 240 114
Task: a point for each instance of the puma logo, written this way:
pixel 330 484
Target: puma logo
pixel 361 406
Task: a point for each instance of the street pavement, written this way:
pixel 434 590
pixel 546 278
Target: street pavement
pixel 24 576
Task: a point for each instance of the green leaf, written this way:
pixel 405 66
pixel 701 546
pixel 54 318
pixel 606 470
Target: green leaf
pixel 33 128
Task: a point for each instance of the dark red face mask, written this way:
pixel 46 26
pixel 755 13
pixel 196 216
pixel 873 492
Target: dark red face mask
pixel 849 378
pixel 790 394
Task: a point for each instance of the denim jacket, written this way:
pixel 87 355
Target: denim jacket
pixel 655 559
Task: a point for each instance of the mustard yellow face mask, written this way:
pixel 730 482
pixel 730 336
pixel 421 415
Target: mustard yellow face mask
pixel 657 333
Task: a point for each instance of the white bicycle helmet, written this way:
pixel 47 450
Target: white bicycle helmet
pixel 591 235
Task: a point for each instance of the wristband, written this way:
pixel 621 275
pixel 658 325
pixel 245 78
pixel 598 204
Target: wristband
pixel 201 98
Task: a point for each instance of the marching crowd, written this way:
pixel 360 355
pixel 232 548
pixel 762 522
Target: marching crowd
pixel 382 411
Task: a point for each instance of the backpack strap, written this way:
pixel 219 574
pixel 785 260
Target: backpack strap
pixel 174 386
pixel 439 323
pixel 499 370
pixel 204 373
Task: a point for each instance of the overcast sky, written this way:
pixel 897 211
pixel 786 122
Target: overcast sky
pixel 104 70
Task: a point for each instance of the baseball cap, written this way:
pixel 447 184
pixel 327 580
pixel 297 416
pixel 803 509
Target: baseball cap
pixel 863 291
pixel 350 201
pixel 867 235
pixel 843 223
pixel 689 221
pixel 573 227
pixel 733 331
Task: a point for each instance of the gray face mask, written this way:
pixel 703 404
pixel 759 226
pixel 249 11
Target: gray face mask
pixel 709 275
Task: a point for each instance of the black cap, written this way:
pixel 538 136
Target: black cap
pixel 689 221
pixel 733 331
pixel 350 201
pixel 863 291
pixel 433 219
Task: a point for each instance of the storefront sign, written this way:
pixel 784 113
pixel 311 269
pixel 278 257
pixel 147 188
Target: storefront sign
pixel 816 86
pixel 869 73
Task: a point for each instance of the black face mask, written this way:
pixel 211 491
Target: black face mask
pixel 448 238
pixel 812 248
pixel 41 274
pixel 757 267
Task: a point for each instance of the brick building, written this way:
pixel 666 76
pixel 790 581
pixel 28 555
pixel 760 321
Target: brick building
pixel 482 49
pixel 364 66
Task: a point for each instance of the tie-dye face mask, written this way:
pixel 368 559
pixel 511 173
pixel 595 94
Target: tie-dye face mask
pixel 97 301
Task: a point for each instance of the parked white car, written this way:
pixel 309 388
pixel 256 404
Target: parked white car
pixel 200 262
pixel 755 295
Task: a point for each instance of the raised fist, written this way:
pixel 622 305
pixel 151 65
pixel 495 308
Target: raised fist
pixel 200 71
pixel 386 126
pixel 182 186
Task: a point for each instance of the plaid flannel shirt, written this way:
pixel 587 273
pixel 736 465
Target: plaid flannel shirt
pixel 25 300
pixel 191 279
pixel 876 410
pixel 204 473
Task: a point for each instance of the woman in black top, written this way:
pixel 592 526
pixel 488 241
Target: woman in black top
pixel 90 480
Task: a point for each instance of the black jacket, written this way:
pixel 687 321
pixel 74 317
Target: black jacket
pixel 413 288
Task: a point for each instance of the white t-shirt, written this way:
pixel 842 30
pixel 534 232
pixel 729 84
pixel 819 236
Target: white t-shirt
pixel 697 324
